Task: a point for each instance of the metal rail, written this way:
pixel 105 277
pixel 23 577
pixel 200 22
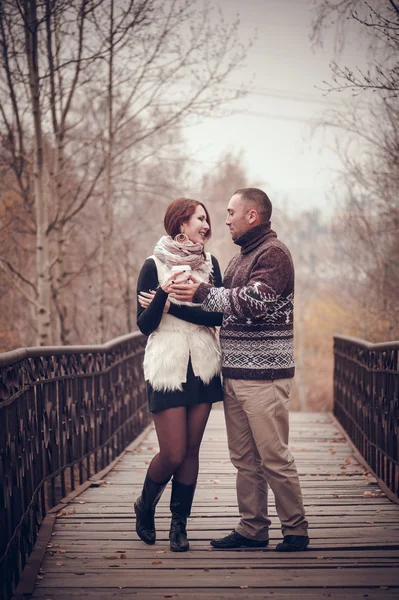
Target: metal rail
pixel 65 414
pixel 366 403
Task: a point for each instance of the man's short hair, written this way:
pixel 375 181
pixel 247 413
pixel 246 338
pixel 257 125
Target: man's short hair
pixel 259 200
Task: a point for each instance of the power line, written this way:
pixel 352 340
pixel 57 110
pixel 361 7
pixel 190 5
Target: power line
pixel 287 95
pixel 264 115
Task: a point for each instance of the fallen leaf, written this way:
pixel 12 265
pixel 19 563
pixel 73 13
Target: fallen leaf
pixel 113 565
pixel 156 562
pixel 244 587
pixel 110 557
pixel 59 564
pixel 123 555
pixel 206 570
pixel 216 498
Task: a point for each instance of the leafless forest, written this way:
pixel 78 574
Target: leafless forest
pixel 94 95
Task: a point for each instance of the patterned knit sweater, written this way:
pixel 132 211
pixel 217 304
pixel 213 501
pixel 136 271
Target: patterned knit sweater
pixel 257 301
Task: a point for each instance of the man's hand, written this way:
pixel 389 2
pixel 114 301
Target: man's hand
pixel 184 292
pixel 145 299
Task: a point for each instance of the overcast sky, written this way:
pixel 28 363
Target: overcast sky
pixel 273 124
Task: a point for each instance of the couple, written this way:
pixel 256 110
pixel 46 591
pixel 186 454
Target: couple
pixel 181 300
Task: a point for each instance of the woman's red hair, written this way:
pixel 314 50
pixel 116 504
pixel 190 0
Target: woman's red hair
pixel 180 211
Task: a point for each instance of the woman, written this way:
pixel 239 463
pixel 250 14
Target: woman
pixel 181 365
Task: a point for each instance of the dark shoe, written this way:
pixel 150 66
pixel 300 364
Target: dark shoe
pixel 144 507
pixel 236 540
pixel 293 543
pixel 180 506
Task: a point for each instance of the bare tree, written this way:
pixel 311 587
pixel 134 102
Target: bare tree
pixel 39 82
pixel 379 22
pixel 141 67
pixel 366 235
pixel 67 62
pixel 159 72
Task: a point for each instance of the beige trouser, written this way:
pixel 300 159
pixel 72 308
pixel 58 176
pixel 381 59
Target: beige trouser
pixel 257 430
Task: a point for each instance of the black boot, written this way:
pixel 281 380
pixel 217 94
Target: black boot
pixel 180 506
pixel 144 507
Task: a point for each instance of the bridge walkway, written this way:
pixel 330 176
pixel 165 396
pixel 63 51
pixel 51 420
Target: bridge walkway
pixel 354 553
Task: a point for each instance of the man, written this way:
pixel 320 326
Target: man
pixel 256 338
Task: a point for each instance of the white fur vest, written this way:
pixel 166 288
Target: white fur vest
pixel 171 345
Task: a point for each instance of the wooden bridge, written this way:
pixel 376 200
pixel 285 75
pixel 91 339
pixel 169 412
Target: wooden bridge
pixel 73 527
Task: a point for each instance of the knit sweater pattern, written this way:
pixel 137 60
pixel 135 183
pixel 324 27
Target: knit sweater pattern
pixel 257 301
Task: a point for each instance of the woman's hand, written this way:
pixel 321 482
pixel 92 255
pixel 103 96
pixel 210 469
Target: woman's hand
pixel 145 299
pixel 167 284
pixel 184 291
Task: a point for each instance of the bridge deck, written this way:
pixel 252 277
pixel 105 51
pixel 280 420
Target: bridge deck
pixel 354 552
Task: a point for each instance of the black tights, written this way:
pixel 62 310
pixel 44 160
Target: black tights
pixel 179 431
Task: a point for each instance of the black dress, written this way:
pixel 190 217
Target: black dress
pixel 194 390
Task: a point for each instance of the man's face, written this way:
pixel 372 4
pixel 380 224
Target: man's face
pixel 239 218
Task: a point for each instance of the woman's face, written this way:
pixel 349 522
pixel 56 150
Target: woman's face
pixel 197 226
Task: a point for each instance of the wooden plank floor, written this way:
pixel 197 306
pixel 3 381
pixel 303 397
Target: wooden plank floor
pixel 354 529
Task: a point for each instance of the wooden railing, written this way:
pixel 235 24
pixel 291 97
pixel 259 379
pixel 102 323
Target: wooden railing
pixel 366 403
pixel 65 414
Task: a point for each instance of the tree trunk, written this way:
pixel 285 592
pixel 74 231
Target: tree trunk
pixel 128 290
pixel 107 216
pixel 59 289
pixel 300 371
pixel 41 206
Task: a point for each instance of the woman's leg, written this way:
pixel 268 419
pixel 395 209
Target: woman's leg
pixel 171 429
pixel 197 418
pixel 184 480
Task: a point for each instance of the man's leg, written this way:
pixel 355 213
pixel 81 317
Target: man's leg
pixel 266 406
pixel 251 481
